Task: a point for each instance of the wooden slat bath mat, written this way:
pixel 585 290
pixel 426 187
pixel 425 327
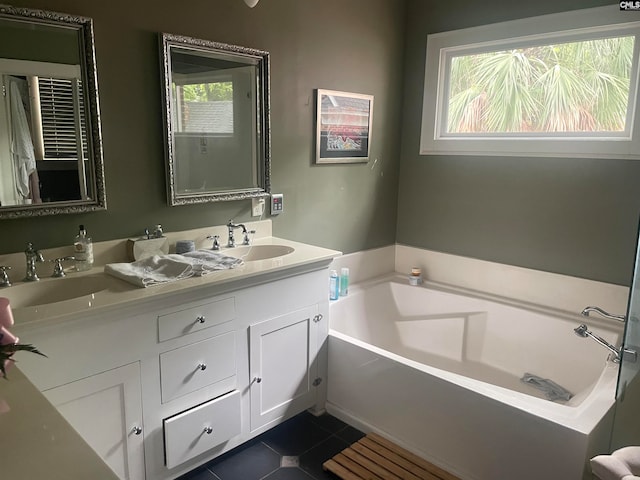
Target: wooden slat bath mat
pixel 376 458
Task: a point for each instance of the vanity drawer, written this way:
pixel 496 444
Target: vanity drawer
pixel 201 428
pixel 193 319
pixel 197 365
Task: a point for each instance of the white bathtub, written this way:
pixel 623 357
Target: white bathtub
pixel 439 372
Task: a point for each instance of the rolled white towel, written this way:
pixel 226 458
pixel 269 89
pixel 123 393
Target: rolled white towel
pixel 623 464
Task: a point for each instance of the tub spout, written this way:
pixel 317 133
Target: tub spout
pixel 584 332
pixel 587 310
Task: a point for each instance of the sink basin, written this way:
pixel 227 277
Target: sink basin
pixel 251 253
pixel 54 290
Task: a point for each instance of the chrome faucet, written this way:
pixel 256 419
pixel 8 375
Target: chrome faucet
pixel 584 332
pixel 231 226
pixel 587 310
pixel 33 256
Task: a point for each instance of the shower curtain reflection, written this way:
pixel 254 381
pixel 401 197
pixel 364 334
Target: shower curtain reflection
pixel 19 182
pixel 23 156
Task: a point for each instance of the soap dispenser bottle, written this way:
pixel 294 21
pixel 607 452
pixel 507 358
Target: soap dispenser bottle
pixel 83 250
pixel 344 281
pixel 334 285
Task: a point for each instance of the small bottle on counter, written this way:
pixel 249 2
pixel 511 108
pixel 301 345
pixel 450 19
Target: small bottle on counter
pixel 416 276
pixel 157 232
pixel 334 285
pixel 83 250
pixel 344 281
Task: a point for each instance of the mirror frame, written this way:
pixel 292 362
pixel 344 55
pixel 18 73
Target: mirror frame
pixel 84 27
pixel 168 40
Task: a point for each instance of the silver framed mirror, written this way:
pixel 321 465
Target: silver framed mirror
pixel 50 139
pixel 217 120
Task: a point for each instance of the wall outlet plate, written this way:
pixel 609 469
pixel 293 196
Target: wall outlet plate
pixel 277 203
pixel 257 207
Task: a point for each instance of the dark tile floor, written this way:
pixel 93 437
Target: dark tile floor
pixel 294 450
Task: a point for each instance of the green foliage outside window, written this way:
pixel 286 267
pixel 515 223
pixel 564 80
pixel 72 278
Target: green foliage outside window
pixel 571 87
pixel 208 92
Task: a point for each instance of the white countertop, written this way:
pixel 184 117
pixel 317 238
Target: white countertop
pixel 121 294
pixel 37 442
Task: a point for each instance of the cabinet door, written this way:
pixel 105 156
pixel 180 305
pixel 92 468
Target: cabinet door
pixel 282 361
pixel 106 410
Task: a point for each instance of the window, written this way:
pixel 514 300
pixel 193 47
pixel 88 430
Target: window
pixel 204 108
pixel 566 87
pixel 59 119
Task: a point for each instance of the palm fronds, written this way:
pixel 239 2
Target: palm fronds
pixel 568 87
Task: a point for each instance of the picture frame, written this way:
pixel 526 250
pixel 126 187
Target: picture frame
pixel 343 126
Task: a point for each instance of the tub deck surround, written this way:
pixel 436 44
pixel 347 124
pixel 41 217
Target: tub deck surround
pixel 367 264
pixel 438 370
pixel 507 281
pixel 554 290
pixel 303 258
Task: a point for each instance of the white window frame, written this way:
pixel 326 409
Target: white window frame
pixel 567 26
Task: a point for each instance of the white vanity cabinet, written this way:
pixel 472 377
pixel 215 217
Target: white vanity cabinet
pixel 171 382
pixel 283 366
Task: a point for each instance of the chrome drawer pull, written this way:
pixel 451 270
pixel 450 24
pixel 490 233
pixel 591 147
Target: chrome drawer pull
pixel 208 430
pixel 202 366
pixel 200 319
pixel 137 430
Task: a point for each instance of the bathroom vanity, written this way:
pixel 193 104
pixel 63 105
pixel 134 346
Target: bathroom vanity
pixel 162 379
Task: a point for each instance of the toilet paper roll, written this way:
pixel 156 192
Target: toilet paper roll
pixel 6 317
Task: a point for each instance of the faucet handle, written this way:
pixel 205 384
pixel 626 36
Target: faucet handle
pixel 216 244
pixel 58 269
pixel 246 240
pixel 4 277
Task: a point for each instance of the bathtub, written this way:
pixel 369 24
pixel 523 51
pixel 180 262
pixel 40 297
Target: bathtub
pixel 438 370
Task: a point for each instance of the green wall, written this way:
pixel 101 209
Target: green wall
pixel 352 46
pixel 566 215
pixel 572 216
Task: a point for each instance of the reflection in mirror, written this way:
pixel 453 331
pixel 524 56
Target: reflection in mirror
pixel 50 141
pixel 217 120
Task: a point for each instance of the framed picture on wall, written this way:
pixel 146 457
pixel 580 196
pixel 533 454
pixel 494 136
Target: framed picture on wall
pixel 343 127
